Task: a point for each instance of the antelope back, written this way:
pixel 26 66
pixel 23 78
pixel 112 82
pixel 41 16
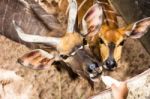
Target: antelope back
pixel 26 15
pixel 110 16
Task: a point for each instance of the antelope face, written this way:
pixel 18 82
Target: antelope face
pixel 73 53
pixel 110 45
pixel 83 63
pixel 103 34
pixel 111 40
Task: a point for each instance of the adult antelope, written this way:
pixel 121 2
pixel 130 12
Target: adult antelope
pixel 68 52
pixel 105 37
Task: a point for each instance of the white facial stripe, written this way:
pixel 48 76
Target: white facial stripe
pixel 73 53
pixel 80 47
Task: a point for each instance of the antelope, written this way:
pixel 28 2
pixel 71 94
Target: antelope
pixel 66 52
pixel 105 37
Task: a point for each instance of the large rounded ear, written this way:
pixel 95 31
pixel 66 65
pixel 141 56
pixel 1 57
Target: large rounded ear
pixel 92 20
pixel 37 59
pixel 139 28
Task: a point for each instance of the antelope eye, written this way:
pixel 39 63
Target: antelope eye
pixel 101 41
pixel 122 42
pixel 64 56
pixel 84 42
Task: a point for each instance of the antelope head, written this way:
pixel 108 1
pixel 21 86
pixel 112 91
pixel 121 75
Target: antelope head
pixel 69 50
pixel 105 37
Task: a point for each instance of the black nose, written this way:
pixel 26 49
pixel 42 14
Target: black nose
pixel 111 63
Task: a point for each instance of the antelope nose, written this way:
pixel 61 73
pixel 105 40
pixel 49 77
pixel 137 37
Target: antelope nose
pixel 111 63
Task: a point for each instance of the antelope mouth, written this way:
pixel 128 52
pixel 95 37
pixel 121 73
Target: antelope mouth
pixel 95 76
pixel 110 67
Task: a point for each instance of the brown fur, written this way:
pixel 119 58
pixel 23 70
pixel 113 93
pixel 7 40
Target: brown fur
pixel 109 35
pixel 109 14
pixel 68 42
pixel 109 32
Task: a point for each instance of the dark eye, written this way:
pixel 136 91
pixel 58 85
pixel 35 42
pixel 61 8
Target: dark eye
pixel 122 42
pixel 84 42
pixel 64 56
pixel 101 41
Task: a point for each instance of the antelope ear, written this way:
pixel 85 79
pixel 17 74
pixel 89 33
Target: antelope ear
pixel 72 17
pixel 139 28
pixel 37 59
pixel 92 20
